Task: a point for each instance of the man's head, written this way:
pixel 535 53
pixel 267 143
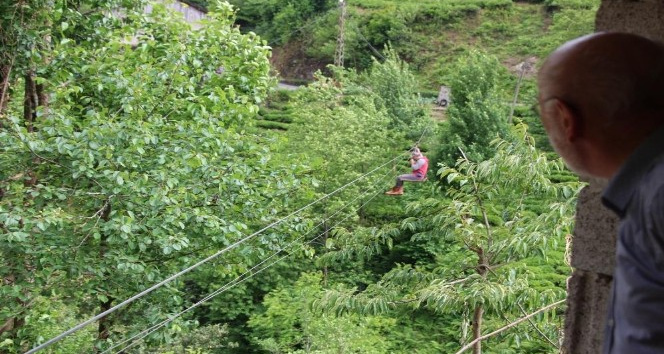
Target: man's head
pixel 600 95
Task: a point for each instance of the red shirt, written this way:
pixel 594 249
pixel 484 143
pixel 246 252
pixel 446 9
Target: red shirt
pixel 421 170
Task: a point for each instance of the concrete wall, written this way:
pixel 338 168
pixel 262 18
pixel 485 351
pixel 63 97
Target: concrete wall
pixel 594 240
pixel 191 14
pixel 593 249
pixel 645 17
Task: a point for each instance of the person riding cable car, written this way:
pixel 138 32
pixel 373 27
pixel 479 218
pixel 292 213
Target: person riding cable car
pixel 419 164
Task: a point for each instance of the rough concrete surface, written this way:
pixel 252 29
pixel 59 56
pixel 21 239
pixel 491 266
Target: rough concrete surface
pixel 594 243
pixel 586 312
pixel 644 17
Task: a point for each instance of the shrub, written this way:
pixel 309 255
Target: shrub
pixel 267 124
pixel 476 114
pixel 395 89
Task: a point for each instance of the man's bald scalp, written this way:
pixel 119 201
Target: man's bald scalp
pixel 608 74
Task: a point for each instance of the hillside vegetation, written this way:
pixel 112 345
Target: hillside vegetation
pixel 429 35
pixel 139 153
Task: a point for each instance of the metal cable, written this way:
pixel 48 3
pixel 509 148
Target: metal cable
pixel 182 272
pixel 239 279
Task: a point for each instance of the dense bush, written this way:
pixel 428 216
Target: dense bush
pixel 279 20
pixel 476 113
pixel 268 124
pixel 395 89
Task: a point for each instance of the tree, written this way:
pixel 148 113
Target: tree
pixel 395 89
pixel 29 31
pixel 476 114
pixel 140 165
pixel 480 238
pixel 279 20
pixel 290 325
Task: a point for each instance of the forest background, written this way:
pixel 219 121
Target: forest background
pixel 134 147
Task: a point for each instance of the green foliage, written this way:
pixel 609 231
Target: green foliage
pixel 274 125
pixel 395 90
pixel 202 340
pixel 148 158
pixel 336 138
pixel 139 165
pixel 476 113
pixel 573 4
pixel 430 35
pixel 278 20
pixel 282 117
pixel 361 243
pixel 46 318
pixel 289 324
pixel 480 259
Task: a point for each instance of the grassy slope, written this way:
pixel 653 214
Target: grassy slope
pixel 513 34
pixel 432 34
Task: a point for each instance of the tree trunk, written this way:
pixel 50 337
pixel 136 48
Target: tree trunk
pixel 104 329
pixel 105 323
pixel 477 328
pixel 30 101
pixel 42 96
pixel 479 309
pixel 5 73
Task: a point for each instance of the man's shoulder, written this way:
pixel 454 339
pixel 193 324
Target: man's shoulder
pixel 653 179
pixel 649 199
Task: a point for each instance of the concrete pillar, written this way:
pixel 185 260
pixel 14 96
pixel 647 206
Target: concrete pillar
pixel 644 17
pixel 593 247
pixel 593 259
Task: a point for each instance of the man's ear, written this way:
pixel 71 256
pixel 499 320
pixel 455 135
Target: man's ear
pixel 569 120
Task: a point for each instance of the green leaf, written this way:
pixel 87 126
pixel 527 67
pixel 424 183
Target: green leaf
pixel 6 343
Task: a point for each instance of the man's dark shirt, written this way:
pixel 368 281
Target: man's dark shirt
pixel 635 323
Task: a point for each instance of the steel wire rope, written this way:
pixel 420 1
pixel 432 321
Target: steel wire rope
pixel 421 136
pixel 173 277
pixel 186 270
pixel 357 30
pixel 239 279
pixel 369 44
pixel 228 285
pixel 263 261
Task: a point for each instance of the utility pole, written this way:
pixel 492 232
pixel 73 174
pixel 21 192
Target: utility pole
pixel 524 66
pixel 339 53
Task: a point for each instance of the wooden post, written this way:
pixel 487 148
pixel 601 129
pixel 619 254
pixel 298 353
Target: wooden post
pixel 524 67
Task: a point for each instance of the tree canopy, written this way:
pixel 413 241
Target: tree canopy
pixel 135 146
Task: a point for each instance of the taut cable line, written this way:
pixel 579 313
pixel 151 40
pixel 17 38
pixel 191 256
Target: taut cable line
pixel 244 276
pixel 187 270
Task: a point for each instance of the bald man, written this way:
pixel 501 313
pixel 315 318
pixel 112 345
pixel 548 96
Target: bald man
pixel 602 104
